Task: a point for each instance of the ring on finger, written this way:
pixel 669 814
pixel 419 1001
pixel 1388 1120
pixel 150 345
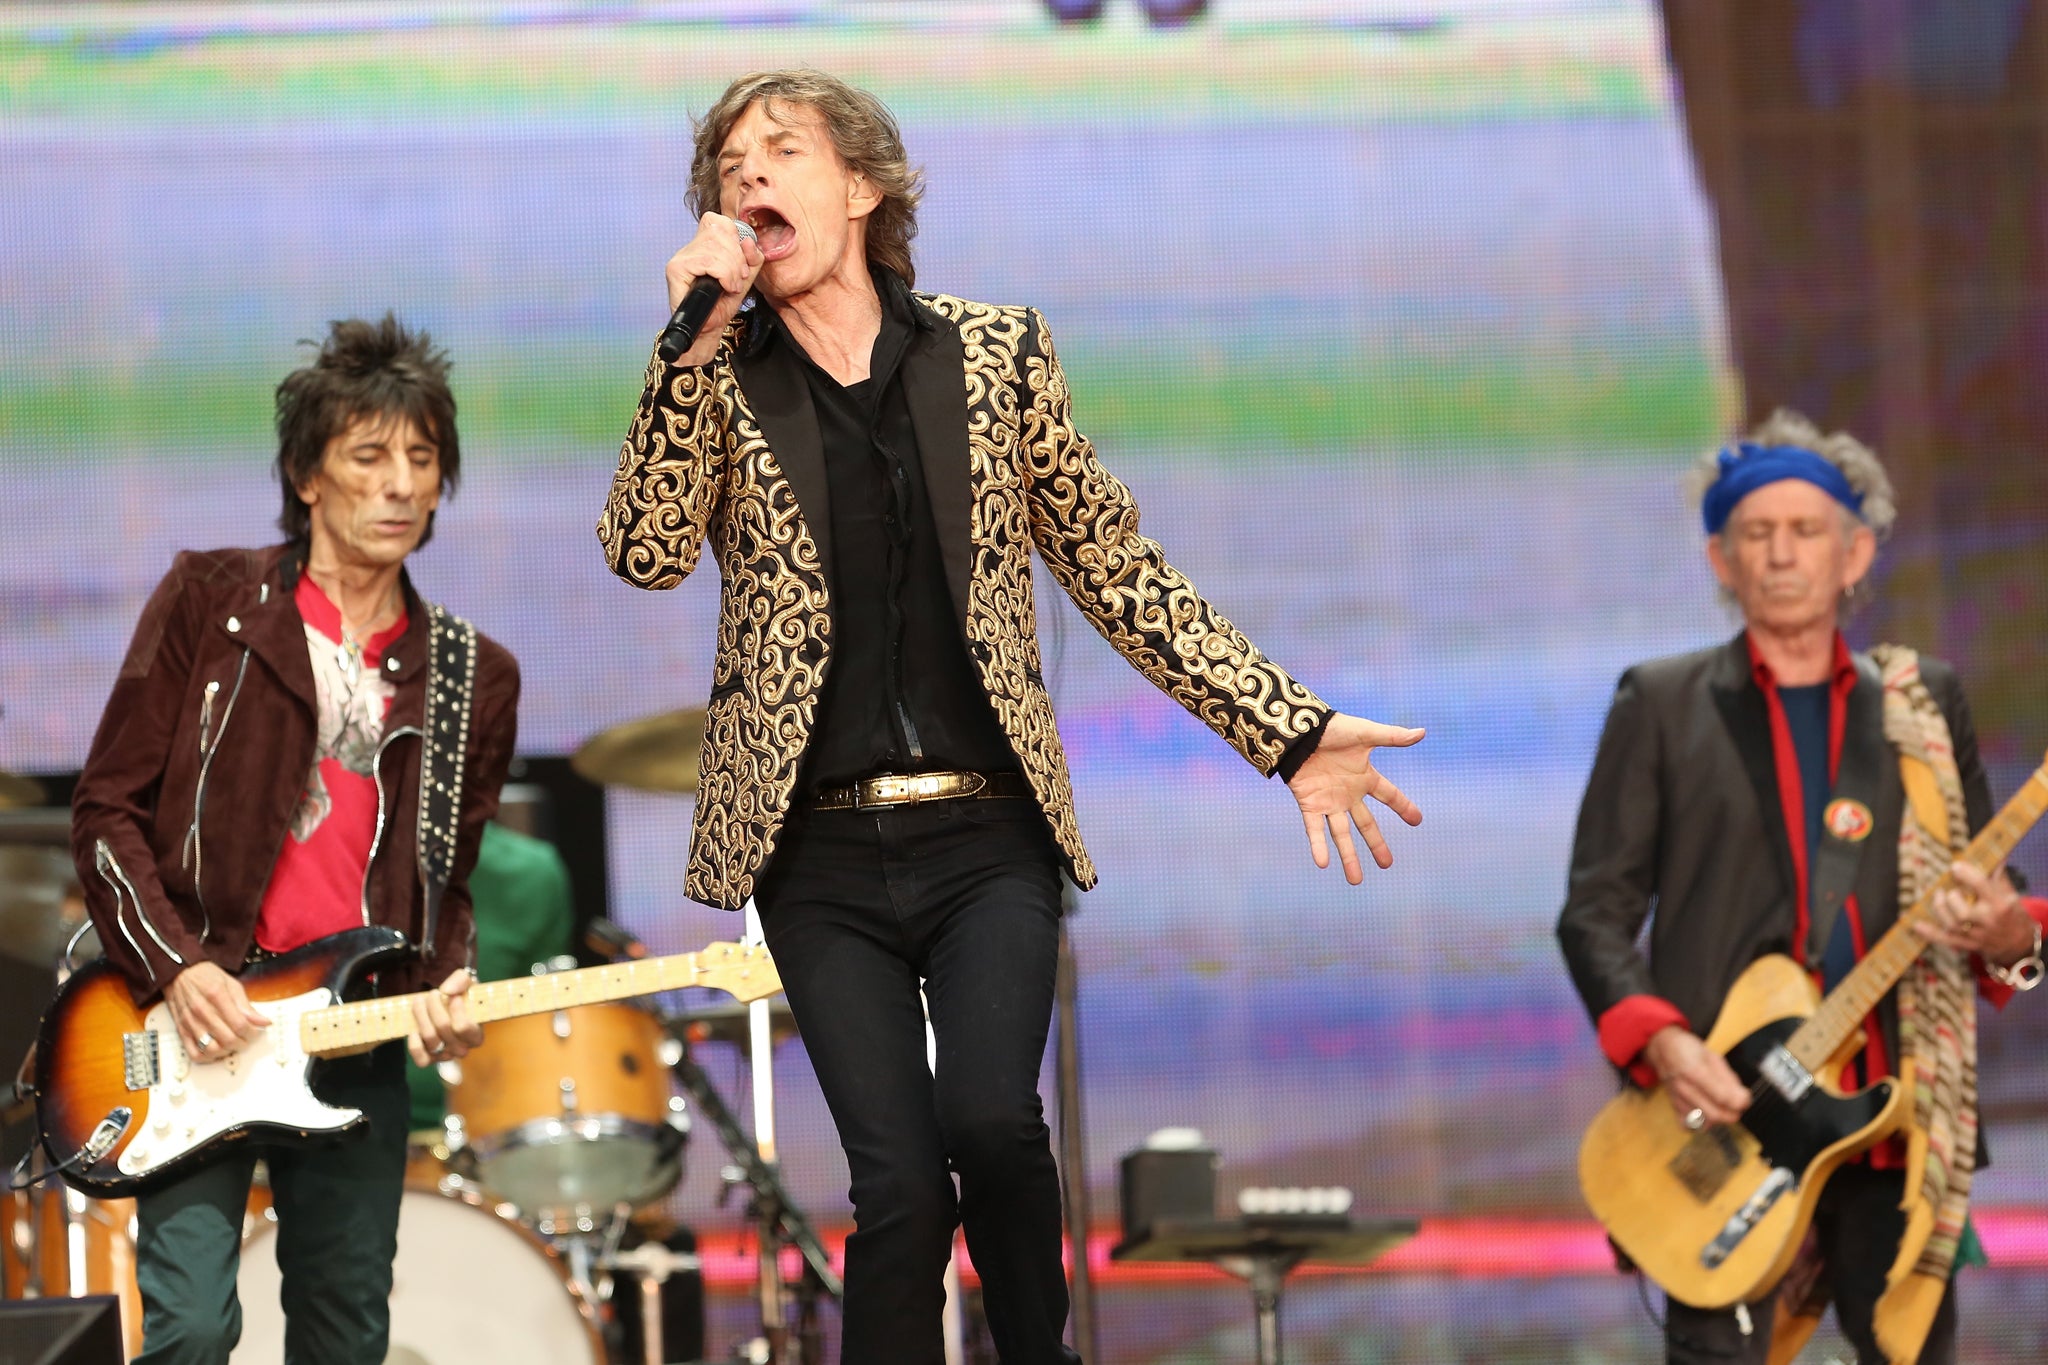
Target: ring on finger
pixel 206 1042
pixel 1695 1119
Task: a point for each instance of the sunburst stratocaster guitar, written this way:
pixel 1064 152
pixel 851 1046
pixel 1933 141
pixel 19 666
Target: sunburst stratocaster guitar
pixel 1715 1217
pixel 122 1108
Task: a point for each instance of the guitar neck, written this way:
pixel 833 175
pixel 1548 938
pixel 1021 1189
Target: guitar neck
pixel 1843 1012
pixel 362 1023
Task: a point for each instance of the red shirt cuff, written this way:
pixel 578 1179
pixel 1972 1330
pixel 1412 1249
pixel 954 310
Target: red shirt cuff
pixel 1629 1024
pixel 1998 992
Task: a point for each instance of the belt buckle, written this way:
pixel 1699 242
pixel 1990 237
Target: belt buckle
pixel 876 792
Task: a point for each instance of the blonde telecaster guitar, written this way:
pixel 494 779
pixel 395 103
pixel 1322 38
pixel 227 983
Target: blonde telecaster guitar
pixel 122 1108
pixel 1715 1216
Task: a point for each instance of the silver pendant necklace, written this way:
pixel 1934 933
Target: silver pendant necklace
pixel 349 656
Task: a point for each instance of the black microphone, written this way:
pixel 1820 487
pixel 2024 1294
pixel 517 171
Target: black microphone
pixel 610 939
pixel 698 301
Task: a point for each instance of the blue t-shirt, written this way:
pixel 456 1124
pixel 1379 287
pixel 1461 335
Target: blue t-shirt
pixel 1807 713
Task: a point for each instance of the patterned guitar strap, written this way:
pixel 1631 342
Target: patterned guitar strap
pixel 1937 1018
pixel 451 687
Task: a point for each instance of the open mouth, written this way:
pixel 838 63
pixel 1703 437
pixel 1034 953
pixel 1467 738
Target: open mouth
pixel 772 232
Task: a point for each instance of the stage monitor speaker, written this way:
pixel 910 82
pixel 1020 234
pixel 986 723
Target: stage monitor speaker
pixel 61 1331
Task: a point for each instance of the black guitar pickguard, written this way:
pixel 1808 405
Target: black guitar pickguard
pixel 1793 1133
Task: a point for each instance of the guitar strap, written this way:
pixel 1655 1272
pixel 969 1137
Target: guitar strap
pixel 451 687
pixel 1867 760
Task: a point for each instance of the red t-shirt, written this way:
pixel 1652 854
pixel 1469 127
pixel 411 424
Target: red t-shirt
pixel 316 888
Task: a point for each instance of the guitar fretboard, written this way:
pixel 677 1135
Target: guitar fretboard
pixel 359 1024
pixel 1842 1013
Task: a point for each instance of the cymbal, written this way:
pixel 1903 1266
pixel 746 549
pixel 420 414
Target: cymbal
pixel 651 754
pixel 16 791
pixel 727 1022
pixel 39 905
pixel 39 826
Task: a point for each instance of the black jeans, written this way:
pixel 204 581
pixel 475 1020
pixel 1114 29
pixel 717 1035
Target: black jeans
pixel 1859 1225
pixel 857 906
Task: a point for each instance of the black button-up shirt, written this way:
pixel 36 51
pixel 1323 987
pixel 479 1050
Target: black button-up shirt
pixel 901 694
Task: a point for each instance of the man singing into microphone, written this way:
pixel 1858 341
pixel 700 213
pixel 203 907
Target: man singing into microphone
pixel 872 469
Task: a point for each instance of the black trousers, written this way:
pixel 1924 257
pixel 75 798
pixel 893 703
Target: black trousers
pixel 857 907
pixel 1859 1225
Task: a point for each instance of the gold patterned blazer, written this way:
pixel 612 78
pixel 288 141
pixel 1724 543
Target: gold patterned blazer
pixel 731 453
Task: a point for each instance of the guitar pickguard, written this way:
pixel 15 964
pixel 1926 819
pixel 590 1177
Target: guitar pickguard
pixel 264 1084
pixel 1794 1131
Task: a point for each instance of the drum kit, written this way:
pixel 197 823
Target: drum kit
pixel 530 1227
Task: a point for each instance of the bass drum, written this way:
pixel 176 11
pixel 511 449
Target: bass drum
pixel 468 1285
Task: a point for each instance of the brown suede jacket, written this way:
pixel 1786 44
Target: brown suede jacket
pixel 201 757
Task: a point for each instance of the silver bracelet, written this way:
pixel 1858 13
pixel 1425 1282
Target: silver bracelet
pixel 2024 974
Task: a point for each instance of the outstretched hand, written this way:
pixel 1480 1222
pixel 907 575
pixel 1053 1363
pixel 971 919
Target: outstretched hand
pixel 1332 787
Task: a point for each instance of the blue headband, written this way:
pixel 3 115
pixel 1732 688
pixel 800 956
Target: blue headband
pixel 1746 468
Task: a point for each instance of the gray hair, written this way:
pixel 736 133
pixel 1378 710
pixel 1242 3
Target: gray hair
pixel 1858 463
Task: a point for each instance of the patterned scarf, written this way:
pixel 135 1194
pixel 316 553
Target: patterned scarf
pixel 1937 1000
pixel 1937 1018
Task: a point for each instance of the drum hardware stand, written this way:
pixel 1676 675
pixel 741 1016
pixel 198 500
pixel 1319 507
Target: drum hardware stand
pixel 650 1264
pixel 25 1237
pixel 769 1215
pixel 778 1221
pixel 776 1216
pixel 575 1243
pixel 769 1204
pixel 26 1230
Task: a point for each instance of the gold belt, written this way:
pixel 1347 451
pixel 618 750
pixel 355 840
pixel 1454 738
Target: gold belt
pixel 891 789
